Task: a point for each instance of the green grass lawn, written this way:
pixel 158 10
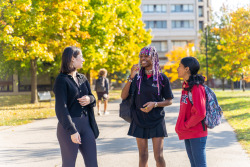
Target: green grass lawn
pixel 236 109
pixel 17 110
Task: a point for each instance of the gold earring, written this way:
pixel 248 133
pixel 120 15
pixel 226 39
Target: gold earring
pixel 72 66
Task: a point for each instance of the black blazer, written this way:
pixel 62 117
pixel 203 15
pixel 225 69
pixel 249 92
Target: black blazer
pixel 67 106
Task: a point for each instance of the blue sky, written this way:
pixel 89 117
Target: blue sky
pixel 232 4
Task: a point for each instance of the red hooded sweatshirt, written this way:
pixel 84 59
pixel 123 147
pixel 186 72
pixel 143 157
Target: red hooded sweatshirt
pixel 189 124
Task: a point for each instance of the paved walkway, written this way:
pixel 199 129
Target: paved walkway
pixel 35 144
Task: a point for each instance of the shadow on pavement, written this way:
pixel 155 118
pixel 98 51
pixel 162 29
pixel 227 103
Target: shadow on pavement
pixel 12 155
pixel 116 145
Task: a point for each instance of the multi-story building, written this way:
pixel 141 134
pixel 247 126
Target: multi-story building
pixel 175 22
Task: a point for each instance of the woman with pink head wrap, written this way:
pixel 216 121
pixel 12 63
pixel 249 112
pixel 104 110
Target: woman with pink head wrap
pixel 152 94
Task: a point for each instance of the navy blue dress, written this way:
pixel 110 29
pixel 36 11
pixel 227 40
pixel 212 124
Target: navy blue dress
pixel 151 124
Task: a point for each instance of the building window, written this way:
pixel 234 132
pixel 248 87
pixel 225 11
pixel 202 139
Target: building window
pixel 182 8
pixel 150 8
pixel 156 24
pixel 200 0
pixel 161 46
pixel 201 25
pixel 182 24
pixel 179 43
pixel 154 8
pixel 200 11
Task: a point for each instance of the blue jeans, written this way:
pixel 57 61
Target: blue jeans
pixel 196 150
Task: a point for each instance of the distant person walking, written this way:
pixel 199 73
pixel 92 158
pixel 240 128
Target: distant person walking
pixel 152 94
pixel 74 109
pixel 190 126
pixel 102 90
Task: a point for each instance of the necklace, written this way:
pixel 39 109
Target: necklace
pixel 148 71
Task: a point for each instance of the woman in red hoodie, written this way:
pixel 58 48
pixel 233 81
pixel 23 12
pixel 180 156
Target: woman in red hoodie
pixel 190 126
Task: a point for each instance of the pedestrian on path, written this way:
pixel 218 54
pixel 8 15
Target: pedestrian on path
pixel 153 92
pixel 74 109
pixel 190 126
pixel 102 90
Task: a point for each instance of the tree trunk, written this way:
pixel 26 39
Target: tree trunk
pixel 232 85
pixel 223 84
pixel 243 85
pixel 33 69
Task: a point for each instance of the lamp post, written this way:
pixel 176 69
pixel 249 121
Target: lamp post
pixel 206 31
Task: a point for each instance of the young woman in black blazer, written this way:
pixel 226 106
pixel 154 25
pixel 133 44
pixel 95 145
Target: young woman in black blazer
pixel 76 128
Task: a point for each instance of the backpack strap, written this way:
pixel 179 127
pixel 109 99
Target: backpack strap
pixel 133 86
pixel 106 85
pixel 190 97
pixel 191 101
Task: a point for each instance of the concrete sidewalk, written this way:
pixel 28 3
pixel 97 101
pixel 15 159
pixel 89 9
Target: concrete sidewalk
pixel 35 144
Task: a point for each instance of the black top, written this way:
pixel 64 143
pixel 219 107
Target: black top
pixel 66 93
pixel 149 92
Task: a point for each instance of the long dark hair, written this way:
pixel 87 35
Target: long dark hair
pixel 194 67
pixel 68 52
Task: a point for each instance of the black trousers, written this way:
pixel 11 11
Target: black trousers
pixel 69 149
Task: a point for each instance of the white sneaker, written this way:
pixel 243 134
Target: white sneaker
pixel 106 113
pixel 99 113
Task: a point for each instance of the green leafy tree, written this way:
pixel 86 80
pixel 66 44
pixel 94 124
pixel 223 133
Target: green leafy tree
pixel 227 45
pixel 33 32
pixel 215 57
pixel 235 42
pixel 131 36
pixel 116 35
pixel 8 68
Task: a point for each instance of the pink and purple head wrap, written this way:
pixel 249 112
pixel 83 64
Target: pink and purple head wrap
pixel 150 51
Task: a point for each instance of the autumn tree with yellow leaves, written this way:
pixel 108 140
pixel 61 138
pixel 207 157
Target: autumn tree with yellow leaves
pixel 228 47
pixel 235 42
pixel 35 31
pixel 116 35
pixel 174 58
pixel 109 32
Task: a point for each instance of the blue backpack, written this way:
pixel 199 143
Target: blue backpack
pixel 213 110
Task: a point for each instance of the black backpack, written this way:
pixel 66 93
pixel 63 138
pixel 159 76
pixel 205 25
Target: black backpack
pixel 100 85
